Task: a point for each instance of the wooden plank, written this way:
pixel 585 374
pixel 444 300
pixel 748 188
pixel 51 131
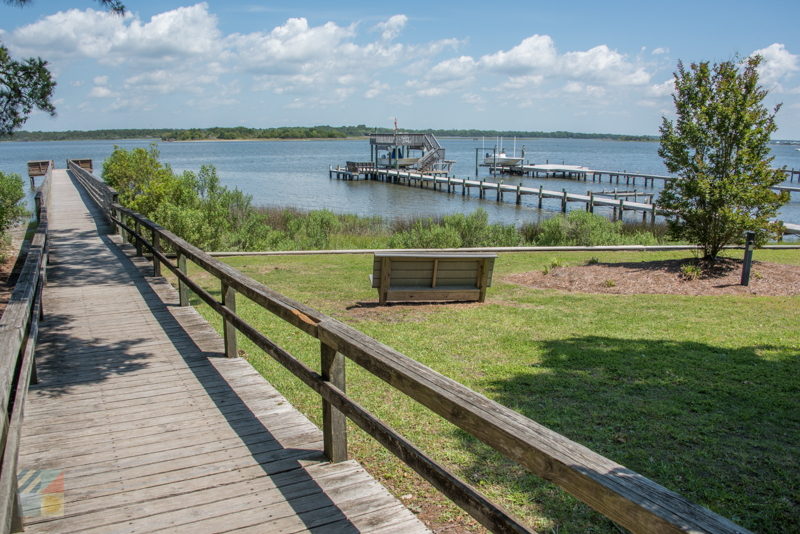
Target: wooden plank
pixel 432 255
pixel 428 294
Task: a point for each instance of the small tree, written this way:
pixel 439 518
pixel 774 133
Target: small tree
pixel 719 150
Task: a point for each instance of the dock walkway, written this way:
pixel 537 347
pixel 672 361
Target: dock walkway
pixel 154 429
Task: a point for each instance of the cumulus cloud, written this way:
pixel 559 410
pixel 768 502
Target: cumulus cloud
pixel 112 40
pixel 778 64
pixel 536 59
pixel 535 52
pixel 101 92
pixel 661 89
pixel 452 69
pixel 660 50
pixel 391 29
pixel 100 80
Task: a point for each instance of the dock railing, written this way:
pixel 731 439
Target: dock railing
pixel 622 495
pixel 19 328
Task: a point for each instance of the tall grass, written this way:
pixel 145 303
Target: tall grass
pixel 290 228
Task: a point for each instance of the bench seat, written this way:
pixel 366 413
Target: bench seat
pixel 432 276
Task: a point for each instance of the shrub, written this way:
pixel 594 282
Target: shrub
pixel 11 194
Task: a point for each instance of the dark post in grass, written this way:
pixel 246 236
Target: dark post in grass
pixel 749 245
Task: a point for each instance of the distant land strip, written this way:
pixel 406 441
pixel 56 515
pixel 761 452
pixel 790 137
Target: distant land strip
pixel 314 132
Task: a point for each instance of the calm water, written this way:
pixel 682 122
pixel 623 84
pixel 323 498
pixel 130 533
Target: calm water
pixel 295 173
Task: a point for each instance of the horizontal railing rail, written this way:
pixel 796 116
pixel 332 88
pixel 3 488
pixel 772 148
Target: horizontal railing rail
pixel 624 496
pixel 19 328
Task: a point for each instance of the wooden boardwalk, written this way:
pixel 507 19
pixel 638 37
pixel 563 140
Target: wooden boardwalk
pixel 157 431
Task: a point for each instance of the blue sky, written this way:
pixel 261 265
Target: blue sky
pixel 577 66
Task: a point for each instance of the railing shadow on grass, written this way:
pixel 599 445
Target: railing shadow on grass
pixel 73 361
pixel 716 425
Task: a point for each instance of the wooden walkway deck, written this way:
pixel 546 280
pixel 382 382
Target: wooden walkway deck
pixel 157 431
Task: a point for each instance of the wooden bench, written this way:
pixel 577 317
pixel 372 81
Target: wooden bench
pixel 428 276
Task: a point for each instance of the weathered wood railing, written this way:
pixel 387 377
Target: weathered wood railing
pixel 619 493
pixel 18 330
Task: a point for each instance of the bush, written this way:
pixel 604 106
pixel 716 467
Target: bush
pixel 11 194
pixel 195 207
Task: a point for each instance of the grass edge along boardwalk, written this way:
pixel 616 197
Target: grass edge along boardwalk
pixel 619 493
pixel 152 427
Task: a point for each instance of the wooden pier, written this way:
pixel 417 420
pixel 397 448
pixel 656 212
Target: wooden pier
pixel 156 430
pixel 618 204
pixel 582 173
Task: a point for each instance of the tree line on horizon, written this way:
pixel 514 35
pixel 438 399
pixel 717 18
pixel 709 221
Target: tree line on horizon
pixel 294 132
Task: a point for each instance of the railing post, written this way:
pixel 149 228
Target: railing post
pixel 138 240
pixel 183 289
pixel 122 231
pixel 229 301
pixel 156 248
pixel 115 200
pixel 334 423
pixel 38 202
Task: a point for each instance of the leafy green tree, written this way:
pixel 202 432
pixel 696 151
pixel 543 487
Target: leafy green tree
pixel 11 194
pixel 24 85
pixel 27 84
pixel 719 150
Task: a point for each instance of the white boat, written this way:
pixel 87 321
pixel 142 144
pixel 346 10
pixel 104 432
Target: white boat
pixel 501 159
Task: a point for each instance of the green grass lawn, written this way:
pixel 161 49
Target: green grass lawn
pixel 699 394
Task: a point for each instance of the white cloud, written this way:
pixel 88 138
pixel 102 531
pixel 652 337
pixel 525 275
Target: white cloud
pixel 658 51
pixel 168 37
pixel 100 80
pixel 778 64
pixel 391 29
pixel 376 88
pixel 535 52
pixel 601 63
pixel 101 92
pixel 472 98
pixel 77 83
pixel 452 69
pixel 661 89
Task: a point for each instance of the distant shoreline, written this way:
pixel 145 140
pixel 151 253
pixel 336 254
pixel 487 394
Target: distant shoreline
pixel 271 139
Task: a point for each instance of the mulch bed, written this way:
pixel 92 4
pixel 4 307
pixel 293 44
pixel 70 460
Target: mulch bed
pixel 666 278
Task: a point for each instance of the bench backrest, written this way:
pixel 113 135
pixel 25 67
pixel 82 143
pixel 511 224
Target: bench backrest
pixel 416 269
